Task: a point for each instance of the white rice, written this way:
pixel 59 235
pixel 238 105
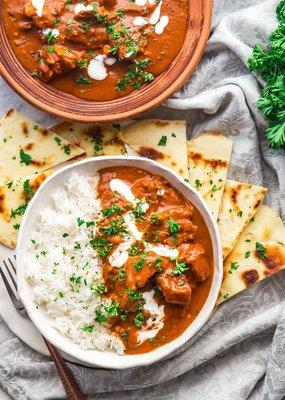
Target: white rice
pixel 51 260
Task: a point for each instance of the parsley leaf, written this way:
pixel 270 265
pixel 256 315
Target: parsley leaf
pixel 25 157
pixel 162 141
pixel 180 268
pixel 260 250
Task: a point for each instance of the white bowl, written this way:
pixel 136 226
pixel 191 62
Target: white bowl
pixel 110 359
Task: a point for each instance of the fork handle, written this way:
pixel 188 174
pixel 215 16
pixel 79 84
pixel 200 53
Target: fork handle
pixel 71 387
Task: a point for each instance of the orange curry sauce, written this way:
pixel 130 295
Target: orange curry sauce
pixel 57 46
pixel 181 285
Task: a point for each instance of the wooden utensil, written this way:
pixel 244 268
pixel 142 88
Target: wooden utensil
pixel 71 387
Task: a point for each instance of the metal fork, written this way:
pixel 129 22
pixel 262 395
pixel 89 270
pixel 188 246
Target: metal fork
pixel 8 273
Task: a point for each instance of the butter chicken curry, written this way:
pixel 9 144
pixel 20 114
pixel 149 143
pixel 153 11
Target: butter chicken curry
pixel 157 258
pixel 96 50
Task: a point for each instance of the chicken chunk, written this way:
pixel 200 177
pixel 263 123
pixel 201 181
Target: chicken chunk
pixel 138 278
pixel 51 10
pixel 194 255
pixel 176 289
pixel 59 62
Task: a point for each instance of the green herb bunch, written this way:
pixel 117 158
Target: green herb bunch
pixel 270 64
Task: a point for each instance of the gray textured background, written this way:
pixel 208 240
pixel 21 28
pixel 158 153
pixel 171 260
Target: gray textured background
pixel 239 354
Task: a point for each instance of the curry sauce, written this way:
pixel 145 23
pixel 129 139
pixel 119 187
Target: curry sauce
pixel 96 50
pixel 157 257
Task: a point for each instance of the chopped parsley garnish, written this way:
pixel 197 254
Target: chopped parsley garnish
pixel 247 254
pixel 90 223
pixel 138 211
pixel 180 268
pixel 61 294
pixel 27 189
pixel 122 273
pixel 173 228
pixel 58 140
pixel 139 264
pixel 67 149
pixel 133 295
pixel 157 291
pixel 80 221
pixel 83 80
pixel 260 250
pixel 98 138
pixel 10 184
pixel 50 37
pixel 234 266
pixel 226 296
pixel 65 235
pixel 75 279
pixel 100 288
pixel 154 218
pixel 77 246
pixel 16 226
pixel 100 317
pixel 25 157
pixel 240 213
pixel 88 328
pixel 108 212
pixel 56 21
pixel 101 245
pixel 113 309
pixel 18 211
pixel 138 320
pixel 157 264
pixel 134 250
pixel 162 141
pixel 198 183
pixel 114 228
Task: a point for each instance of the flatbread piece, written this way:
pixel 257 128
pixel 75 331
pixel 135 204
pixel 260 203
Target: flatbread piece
pixel 160 140
pixel 208 159
pixel 259 253
pixel 14 197
pixel 26 147
pixel 239 204
pixel 96 140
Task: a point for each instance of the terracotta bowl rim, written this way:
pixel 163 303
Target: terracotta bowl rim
pixel 142 106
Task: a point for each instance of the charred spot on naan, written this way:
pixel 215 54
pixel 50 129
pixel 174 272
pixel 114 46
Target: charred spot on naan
pixel 25 129
pixel 198 158
pixel 274 260
pixel 250 277
pixel 2 201
pixel 150 153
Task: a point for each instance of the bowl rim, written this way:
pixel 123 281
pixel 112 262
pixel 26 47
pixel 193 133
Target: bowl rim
pixel 111 360
pixel 122 114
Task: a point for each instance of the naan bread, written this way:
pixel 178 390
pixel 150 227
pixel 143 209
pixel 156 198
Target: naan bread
pixel 159 140
pixel 26 147
pixel 239 204
pixel 96 140
pixel 14 196
pixel 259 252
pixel 208 159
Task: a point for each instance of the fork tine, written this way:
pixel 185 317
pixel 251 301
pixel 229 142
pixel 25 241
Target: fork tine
pixel 12 270
pixel 8 276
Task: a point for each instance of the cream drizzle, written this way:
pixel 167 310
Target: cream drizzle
pixel 39 6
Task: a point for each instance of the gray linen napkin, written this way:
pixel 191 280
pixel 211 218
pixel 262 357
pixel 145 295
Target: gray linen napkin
pixel 236 356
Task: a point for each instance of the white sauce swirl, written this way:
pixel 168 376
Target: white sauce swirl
pixel 81 7
pixel 155 322
pixel 96 69
pixel 39 6
pixel 140 21
pixel 54 32
pixel 161 25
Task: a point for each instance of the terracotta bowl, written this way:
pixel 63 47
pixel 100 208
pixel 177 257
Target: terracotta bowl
pixel 150 96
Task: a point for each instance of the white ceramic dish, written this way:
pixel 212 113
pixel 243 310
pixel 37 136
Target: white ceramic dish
pixel 39 318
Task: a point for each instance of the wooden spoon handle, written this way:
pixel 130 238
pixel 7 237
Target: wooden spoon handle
pixel 71 387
